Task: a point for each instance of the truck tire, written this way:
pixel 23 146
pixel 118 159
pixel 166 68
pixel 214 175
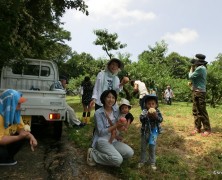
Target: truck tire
pixel 58 129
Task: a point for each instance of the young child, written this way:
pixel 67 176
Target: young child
pixel 124 108
pixel 125 117
pixel 150 119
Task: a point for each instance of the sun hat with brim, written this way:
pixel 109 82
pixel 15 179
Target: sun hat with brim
pixel 120 64
pixel 22 100
pixel 200 59
pixel 149 97
pixel 124 102
pixel 200 62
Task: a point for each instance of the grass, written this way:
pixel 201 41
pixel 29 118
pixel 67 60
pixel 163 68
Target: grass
pixel 179 155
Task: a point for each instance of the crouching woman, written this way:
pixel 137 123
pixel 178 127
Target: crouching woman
pixel 106 120
pixel 12 129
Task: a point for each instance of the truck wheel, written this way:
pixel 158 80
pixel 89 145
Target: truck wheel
pixel 57 129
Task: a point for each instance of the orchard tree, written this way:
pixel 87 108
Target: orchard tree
pixel 155 54
pixel 28 28
pixel 214 81
pixel 179 66
pixel 108 41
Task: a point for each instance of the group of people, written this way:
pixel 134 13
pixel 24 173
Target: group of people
pixel 110 118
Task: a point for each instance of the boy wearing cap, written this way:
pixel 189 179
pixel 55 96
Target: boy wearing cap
pixel 107 80
pixel 12 129
pixel 150 118
pixel 198 76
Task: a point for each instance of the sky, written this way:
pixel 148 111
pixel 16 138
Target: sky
pixel 187 26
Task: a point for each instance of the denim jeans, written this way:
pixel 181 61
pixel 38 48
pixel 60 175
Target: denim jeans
pixel 152 149
pixel 111 154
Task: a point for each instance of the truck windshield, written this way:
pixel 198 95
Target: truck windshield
pixel 32 70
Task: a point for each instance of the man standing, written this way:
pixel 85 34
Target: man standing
pixel 168 95
pixel 139 87
pixel 198 75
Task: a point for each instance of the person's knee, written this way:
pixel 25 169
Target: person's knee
pixel 117 160
pixel 129 153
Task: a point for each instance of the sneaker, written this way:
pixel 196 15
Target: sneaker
pixel 195 131
pixel 140 165
pixel 153 167
pixel 90 160
pixel 206 133
pixel 8 163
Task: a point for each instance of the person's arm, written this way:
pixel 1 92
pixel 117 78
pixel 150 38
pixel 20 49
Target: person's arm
pixel 10 139
pixel 129 117
pixel 99 124
pixel 159 116
pixel 135 88
pixel 124 81
pixel 195 73
pixel 96 89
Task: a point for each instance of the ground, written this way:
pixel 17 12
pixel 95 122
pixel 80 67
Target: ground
pixel 53 160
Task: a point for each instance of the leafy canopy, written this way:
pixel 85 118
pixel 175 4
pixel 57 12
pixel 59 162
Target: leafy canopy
pixel 108 41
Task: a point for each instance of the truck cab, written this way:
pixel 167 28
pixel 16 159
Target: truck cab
pixel 36 79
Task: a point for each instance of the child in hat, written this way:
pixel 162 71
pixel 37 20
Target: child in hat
pixel 150 118
pixel 126 118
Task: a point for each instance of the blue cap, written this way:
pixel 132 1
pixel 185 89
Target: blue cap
pixel 150 96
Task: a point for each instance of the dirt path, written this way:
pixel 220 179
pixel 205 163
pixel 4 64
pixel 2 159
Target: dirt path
pixel 53 160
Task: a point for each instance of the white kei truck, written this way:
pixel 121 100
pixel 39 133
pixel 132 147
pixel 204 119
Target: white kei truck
pixel 37 80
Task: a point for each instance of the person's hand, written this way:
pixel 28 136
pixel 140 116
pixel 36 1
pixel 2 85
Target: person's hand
pixel 119 124
pixel 192 68
pixel 92 103
pixel 119 138
pixel 33 142
pixel 23 134
pixel 151 113
pixel 124 80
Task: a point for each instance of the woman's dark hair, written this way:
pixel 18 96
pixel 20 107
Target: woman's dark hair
pixel 87 79
pixel 105 94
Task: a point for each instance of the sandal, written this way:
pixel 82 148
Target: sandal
pixel 195 131
pixel 206 133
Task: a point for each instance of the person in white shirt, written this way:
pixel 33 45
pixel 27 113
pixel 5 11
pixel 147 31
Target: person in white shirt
pixel 139 87
pixel 168 95
pixel 106 80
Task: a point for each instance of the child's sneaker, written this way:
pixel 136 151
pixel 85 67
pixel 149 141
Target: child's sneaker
pixel 140 165
pixel 90 160
pixel 153 167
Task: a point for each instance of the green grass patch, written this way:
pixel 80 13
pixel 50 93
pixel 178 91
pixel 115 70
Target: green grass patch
pixel 179 155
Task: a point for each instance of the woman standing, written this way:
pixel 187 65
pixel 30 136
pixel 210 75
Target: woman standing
pixel 107 79
pixel 106 120
pixel 87 89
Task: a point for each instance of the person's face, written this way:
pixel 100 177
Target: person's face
pixel 124 109
pixel 151 104
pixel 110 100
pixel 113 67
